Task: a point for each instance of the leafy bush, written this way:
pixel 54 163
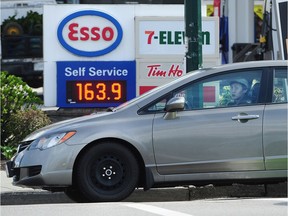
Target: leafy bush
pixel 19 114
pixel 24 122
pixel 8 151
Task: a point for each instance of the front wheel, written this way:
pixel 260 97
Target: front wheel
pixel 107 172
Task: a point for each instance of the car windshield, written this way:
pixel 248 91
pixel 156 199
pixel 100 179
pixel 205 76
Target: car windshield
pixel 152 91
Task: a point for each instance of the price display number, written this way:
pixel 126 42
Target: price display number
pixel 99 91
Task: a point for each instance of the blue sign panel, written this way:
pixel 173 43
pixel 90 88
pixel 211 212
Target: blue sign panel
pixel 95 84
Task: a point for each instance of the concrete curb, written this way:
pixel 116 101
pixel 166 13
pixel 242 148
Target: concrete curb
pixel 27 198
pixel 156 195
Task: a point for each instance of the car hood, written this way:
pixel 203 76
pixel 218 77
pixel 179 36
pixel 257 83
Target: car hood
pixel 65 125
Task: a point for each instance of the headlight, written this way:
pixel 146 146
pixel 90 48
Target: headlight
pixel 51 140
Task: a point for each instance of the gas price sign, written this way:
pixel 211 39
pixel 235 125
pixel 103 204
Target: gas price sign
pixel 95 84
pixel 103 91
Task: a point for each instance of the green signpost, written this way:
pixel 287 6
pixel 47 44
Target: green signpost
pixel 193 33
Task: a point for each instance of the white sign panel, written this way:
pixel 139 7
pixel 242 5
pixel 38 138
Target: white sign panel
pixel 165 36
pixel 88 29
pixel 152 73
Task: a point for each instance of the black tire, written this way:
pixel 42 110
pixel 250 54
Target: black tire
pixel 107 172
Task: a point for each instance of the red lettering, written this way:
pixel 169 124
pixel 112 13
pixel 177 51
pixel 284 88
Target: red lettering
pixel 175 72
pixel 84 34
pixel 94 32
pixel 150 35
pixel 72 31
pixel 154 72
pixel 107 34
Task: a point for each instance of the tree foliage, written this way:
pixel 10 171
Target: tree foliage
pixel 18 110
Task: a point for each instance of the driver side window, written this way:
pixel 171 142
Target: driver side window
pixel 226 90
pixel 233 89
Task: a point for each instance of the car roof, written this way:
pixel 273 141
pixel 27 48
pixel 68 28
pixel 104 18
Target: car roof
pixel 264 63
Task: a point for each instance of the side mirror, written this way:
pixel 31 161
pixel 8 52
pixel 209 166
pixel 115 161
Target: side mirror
pixel 175 104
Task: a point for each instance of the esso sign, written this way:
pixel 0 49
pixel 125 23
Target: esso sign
pixel 89 33
pixel 77 32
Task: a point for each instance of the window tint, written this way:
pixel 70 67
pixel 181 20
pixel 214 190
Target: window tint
pixel 233 89
pixel 280 86
pixel 230 89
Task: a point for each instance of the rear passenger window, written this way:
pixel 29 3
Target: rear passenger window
pixel 280 86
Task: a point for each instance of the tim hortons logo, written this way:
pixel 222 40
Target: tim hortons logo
pixel 156 71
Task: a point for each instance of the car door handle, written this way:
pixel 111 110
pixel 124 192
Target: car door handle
pixel 244 117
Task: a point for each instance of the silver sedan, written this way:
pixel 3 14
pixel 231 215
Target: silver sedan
pixel 220 125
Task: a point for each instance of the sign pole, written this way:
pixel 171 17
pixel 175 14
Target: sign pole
pixel 193 34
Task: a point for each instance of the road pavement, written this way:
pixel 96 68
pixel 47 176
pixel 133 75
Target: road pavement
pixel 12 195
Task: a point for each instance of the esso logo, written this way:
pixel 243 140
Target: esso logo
pixel 89 33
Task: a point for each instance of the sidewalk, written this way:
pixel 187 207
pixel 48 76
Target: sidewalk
pixel 12 195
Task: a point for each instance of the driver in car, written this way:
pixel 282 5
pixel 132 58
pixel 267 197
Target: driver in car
pixel 239 90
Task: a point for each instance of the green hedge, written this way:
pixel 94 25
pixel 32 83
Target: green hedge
pixel 19 112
